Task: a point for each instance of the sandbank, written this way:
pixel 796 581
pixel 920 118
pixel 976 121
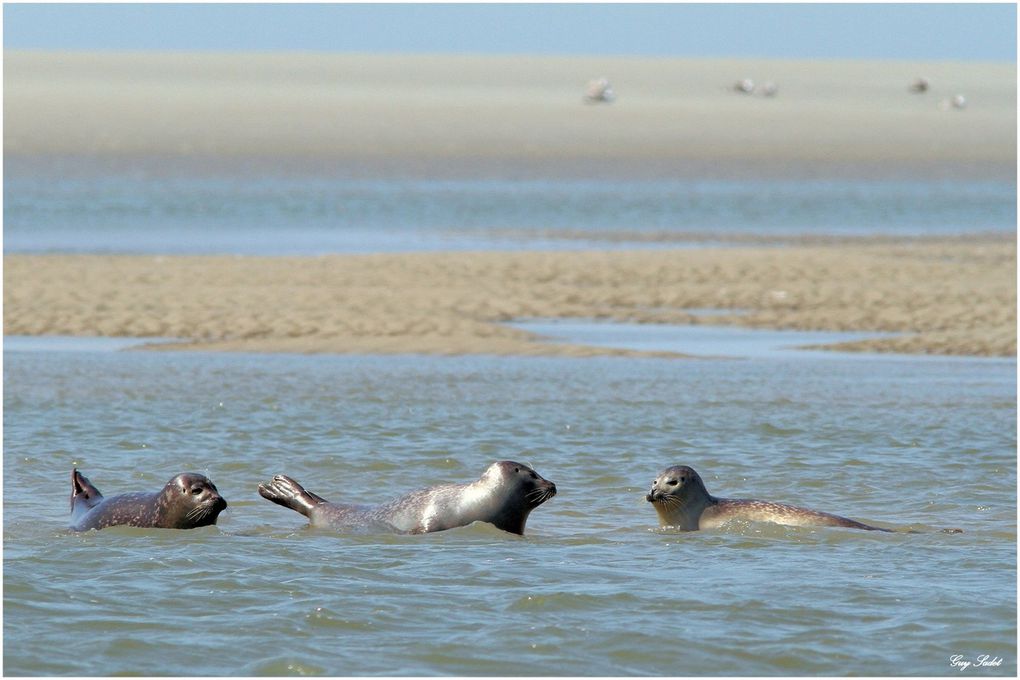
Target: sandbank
pixel 945 296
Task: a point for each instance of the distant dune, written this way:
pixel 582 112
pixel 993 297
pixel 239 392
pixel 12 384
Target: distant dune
pixel 450 112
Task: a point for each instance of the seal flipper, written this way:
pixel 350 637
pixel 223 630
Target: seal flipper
pixel 285 491
pixel 83 494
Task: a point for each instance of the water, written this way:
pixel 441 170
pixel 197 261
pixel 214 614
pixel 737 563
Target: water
pixel 730 342
pixel 718 342
pixel 146 209
pixel 65 343
pixel 593 589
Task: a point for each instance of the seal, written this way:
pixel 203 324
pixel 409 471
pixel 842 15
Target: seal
pixel 682 501
pixel 189 500
pixel 503 496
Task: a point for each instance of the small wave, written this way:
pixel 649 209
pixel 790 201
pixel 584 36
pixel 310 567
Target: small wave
pixel 285 666
pixel 776 431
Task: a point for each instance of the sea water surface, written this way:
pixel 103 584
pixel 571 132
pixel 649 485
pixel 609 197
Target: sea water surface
pixel 71 206
pixel 594 588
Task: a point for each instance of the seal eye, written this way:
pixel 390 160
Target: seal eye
pixel 196 491
pixel 517 469
pixel 671 482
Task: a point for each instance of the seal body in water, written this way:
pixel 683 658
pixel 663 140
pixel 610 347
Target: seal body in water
pixel 189 500
pixel 504 496
pixel 682 501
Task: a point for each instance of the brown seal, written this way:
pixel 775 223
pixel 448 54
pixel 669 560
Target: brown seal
pixel 682 501
pixel 189 500
pixel 504 496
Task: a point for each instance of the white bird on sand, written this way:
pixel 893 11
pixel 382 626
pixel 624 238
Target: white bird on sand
pixel 745 86
pixel 599 90
pixel 958 102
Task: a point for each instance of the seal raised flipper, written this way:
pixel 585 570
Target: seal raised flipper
pixel 84 495
pixel 285 491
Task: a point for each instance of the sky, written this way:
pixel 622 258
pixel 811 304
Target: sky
pixel 985 32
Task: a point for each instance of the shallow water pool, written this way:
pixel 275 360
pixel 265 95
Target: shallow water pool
pixel 721 342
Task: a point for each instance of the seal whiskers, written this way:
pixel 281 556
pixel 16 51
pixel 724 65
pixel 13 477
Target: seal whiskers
pixel 538 496
pixel 197 514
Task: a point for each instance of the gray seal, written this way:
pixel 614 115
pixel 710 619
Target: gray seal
pixel 682 502
pixel 503 496
pixel 187 501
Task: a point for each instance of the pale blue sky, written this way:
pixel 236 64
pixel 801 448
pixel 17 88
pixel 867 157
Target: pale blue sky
pixel 883 31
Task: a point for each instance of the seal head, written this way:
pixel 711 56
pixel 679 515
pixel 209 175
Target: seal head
pixel 187 501
pixel 681 501
pixel 679 497
pixel 503 496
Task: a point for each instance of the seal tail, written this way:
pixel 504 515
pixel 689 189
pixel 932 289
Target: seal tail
pixel 854 524
pixel 83 491
pixel 285 491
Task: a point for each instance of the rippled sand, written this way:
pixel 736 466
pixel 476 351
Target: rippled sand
pixel 945 296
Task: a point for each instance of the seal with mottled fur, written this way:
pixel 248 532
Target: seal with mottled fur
pixel 189 500
pixel 504 496
pixel 682 501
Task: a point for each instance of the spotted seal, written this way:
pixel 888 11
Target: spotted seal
pixel 504 496
pixel 187 501
pixel 682 501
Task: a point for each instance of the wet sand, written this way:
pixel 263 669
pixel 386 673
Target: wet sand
pixel 946 296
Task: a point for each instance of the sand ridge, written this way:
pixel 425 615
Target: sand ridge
pixel 945 296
